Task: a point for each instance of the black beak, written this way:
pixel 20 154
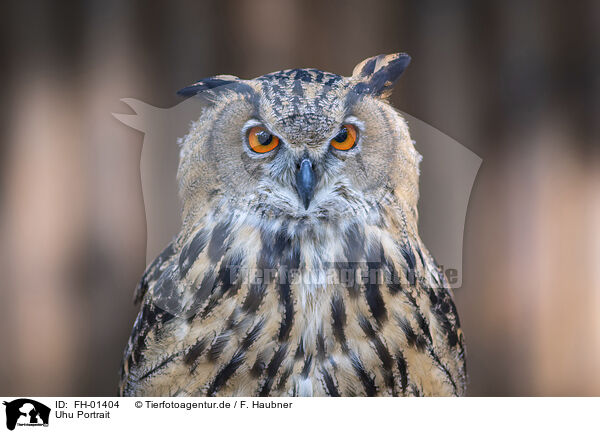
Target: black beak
pixel 305 182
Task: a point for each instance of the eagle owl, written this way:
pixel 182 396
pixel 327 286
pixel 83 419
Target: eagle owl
pixel 298 270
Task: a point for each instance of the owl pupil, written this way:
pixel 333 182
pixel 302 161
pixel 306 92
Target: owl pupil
pixel 342 135
pixel 264 138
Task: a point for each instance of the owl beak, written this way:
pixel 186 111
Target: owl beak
pixel 305 182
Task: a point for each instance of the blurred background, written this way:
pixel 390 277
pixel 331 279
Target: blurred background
pixel 516 82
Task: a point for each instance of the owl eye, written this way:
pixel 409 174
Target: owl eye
pixel 261 140
pixel 345 139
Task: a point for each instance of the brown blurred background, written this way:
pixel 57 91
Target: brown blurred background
pixel 516 82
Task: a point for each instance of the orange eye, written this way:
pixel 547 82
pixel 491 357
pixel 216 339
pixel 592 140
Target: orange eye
pixel 261 140
pixel 346 138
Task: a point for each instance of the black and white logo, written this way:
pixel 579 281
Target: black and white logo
pixel 26 412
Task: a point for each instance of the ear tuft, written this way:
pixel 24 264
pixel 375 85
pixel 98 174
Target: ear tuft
pixel 207 84
pixel 377 75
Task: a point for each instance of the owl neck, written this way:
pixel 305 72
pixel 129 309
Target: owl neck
pixel 303 266
pixel 312 253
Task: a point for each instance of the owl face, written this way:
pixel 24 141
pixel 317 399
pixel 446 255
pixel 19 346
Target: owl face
pixel 301 143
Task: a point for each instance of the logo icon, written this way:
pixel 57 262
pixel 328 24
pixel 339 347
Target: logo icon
pixel 447 174
pixel 26 412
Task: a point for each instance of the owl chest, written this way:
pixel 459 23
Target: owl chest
pixel 293 326
pixel 304 318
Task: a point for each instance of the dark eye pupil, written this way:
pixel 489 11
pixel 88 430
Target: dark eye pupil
pixel 342 135
pixel 264 138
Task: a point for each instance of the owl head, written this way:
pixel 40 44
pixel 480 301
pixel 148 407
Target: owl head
pixel 302 144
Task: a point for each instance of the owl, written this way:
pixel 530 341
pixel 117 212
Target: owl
pixel 298 270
